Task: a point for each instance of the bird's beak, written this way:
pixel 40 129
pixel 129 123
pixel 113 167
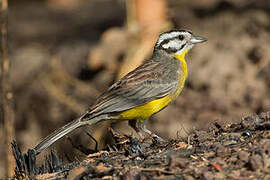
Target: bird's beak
pixel 197 39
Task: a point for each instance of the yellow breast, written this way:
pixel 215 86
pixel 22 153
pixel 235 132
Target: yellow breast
pixel 144 111
pixel 184 74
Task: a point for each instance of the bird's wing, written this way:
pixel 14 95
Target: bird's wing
pixel 138 87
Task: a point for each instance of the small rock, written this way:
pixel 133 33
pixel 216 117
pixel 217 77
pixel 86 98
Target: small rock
pixel 138 158
pixel 131 174
pixel 180 145
pixel 255 162
pixel 229 142
pixel 218 160
pixel 235 174
pixel 232 159
pixel 243 156
pixel 220 175
pixel 246 174
pixel 247 122
pixel 247 134
pixel 265 116
pixel 101 167
pixel 188 177
pixel 207 175
pixel 177 162
pixel 216 166
pixel 266 148
pixel 255 54
pixel 235 136
pixel 221 150
pixel 135 146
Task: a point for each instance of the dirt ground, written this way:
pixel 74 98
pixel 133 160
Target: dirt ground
pixel 228 79
pixel 235 151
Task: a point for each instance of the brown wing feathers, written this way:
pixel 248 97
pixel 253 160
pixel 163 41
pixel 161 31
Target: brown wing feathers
pixel 136 88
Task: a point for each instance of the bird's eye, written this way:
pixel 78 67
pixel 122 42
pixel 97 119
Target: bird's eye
pixel 181 37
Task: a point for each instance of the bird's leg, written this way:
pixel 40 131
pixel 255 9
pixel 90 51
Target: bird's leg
pixel 133 124
pixel 142 127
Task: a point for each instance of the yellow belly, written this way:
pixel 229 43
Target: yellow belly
pixel 144 111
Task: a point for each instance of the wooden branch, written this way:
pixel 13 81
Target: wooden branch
pixel 6 94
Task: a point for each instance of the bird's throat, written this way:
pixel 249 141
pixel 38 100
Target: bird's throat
pixel 184 70
pixel 181 57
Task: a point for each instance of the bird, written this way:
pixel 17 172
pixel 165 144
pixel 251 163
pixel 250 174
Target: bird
pixel 145 91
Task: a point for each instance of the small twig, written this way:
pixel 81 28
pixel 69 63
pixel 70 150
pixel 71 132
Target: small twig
pixel 98 154
pixel 48 176
pixel 6 94
pixel 80 147
pixel 96 143
pixel 157 170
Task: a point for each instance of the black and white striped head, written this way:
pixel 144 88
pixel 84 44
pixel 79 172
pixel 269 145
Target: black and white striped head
pixel 177 41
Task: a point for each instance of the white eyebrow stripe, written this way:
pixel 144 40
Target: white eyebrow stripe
pixel 170 35
pixel 167 36
pixel 174 44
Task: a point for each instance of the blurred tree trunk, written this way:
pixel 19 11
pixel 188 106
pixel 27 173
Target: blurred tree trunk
pixel 147 18
pixel 6 94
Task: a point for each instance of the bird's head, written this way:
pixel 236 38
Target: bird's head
pixel 177 42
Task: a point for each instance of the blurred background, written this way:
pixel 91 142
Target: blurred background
pixel 65 53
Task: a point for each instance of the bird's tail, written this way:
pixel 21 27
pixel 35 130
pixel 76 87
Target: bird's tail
pixel 59 133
